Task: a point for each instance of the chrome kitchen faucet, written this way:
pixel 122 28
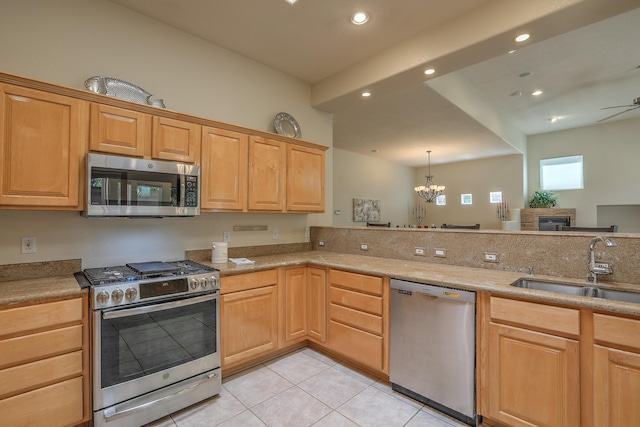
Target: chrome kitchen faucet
pixel 596 269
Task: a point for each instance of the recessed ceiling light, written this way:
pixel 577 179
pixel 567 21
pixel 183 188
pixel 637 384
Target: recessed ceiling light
pixel 511 51
pixel 522 37
pixel 359 18
pixel 429 71
pixel 375 151
pixel 518 93
pixel 291 1
pixel 553 119
pixel 366 94
pixel 526 74
pixel 536 93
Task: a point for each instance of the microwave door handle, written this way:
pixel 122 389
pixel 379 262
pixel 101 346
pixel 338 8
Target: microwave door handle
pixel 116 314
pixel 183 189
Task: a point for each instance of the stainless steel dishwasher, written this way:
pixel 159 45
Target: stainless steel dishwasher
pixel 432 355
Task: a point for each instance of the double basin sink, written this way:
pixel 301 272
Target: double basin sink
pixel 586 291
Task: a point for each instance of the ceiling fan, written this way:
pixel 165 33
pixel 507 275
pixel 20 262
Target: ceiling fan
pixel 636 104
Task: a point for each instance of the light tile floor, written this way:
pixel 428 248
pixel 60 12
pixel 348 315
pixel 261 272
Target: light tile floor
pixel 306 388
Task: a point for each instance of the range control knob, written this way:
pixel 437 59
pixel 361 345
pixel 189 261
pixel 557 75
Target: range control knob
pixel 194 283
pixel 102 297
pixel 130 293
pixel 117 295
pixel 204 282
pixel 214 281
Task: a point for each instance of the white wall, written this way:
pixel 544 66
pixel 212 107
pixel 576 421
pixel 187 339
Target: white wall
pixel 478 177
pixel 365 177
pixel 67 41
pixel 611 154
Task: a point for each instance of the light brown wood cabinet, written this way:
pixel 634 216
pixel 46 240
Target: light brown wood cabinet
pixel 305 179
pixel 267 174
pixel 248 316
pixel 43 140
pixel 616 362
pixel 317 304
pixel 127 132
pixel 305 304
pixel 242 172
pixel 358 318
pixel 44 360
pixel 533 364
pixel 224 169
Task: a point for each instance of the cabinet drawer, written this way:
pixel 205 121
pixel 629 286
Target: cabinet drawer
pixel 356 282
pixel 356 300
pixel 536 316
pixel 368 322
pixel 359 345
pixel 59 404
pixel 37 346
pixel 36 374
pixel 242 282
pixel 616 330
pixel 32 317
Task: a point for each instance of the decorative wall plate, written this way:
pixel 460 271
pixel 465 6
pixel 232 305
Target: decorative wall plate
pixel 287 126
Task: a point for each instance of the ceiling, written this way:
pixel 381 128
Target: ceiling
pixel 583 60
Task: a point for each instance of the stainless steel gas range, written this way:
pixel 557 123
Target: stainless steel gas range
pixel 155 339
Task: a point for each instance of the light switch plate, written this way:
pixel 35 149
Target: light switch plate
pixel 440 253
pixel 490 257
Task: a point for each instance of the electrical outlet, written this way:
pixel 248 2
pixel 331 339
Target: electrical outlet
pixel 440 253
pixel 226 236
pixel 29 245
pixel 321 243
pixel 364 247
pixel 491 257
pixel 274 234
pixel 418 251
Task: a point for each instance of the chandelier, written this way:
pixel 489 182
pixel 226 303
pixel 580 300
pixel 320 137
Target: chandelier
pixel 429 191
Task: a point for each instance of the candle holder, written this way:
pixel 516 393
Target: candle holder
pixel 503 210
pixel 419 213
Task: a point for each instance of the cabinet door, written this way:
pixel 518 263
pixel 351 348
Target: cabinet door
pixel 616 387
pixel 43 140
pixel 175 140
pixel 317 304
pixel 267 173
pixel 224 170
pixel 533 378
pixel 295 303
pixel 119 131
pixel 305 179
pixel 249 324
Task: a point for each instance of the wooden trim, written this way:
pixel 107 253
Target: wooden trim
pixel 483 300
pixel 586 368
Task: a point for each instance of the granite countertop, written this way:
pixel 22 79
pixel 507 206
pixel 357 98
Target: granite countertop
pixel 475 279
pixel 39 289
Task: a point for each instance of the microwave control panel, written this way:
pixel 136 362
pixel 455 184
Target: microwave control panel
pixel 191 191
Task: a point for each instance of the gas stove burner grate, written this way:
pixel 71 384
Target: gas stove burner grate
pixel 104 275
pixel 191 267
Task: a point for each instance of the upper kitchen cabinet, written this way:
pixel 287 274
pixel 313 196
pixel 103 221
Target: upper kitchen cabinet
pixel 242 172
pixel 267 174
pixel 305 179
pixel 43 139
pixel 224 170
pixel 119 131
pixel 127 132
pixel 175 140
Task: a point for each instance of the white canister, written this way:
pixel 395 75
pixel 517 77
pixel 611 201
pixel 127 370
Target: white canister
pixel 219 252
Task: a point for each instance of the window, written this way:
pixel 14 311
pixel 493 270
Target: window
pixel 562 173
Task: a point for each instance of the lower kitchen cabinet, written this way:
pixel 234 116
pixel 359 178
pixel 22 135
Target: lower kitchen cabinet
pixel 533 364
pixel 44 360
pixel 358 318
pixel 616 371
pixel 305 300
pixel 248 316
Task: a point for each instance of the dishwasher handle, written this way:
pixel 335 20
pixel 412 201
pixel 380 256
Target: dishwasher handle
pixel 407 288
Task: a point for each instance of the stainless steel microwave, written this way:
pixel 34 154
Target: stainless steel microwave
pixel 130 187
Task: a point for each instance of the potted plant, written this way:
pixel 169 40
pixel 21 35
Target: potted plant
pixel 543 199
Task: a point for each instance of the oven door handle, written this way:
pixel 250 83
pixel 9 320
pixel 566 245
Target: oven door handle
pixel 115 314
pixel 113 412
